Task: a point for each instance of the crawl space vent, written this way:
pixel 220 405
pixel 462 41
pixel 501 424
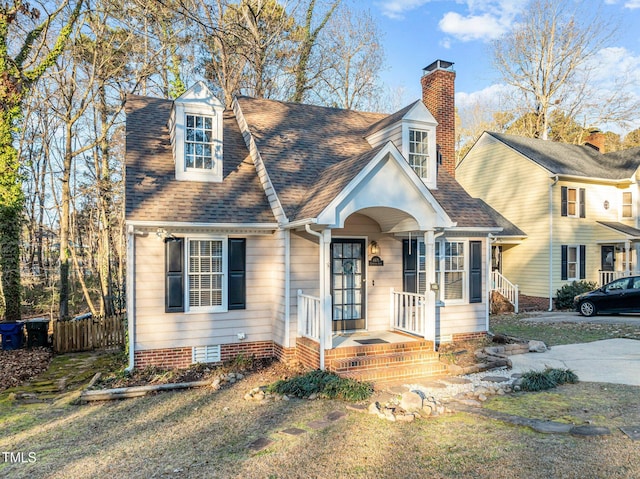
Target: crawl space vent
pixel 206 354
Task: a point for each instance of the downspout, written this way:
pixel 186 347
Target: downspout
pixel 130 289
pixel 555 182
pixel 322 292
pixel 287 287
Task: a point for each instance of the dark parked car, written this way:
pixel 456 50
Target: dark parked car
pixel 619 296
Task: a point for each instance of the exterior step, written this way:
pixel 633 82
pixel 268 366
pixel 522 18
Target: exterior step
pixel 398 373
pixel 366 362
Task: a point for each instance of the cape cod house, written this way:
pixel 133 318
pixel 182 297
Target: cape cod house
pixel 275 229
pixel 577 207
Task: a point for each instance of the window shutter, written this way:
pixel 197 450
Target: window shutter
pixel 475 276
pixel 237 273
pixel 174 279
pixel 583 203
pixel 583 262
pixel 409 266
pixel 563 196
pixel 564 262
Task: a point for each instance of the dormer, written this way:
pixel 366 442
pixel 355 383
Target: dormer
pixel 195 125
pixel 413 131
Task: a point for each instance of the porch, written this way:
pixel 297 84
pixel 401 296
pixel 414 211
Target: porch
pixel 404 351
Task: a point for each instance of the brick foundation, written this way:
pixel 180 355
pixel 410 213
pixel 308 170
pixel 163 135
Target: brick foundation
pixel 285 355
pixel 532 303
pixel 308 353
pixel 256 349
pixel 164 358
pixel 469 336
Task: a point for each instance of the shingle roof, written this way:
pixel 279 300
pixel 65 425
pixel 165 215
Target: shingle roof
pixel 575 160
pixel 389 120
pixel 305 147
pixel 153 194
pixel 466 211
pixel 621 228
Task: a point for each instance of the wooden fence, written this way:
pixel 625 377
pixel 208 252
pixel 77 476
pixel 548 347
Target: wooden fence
pixel 88 334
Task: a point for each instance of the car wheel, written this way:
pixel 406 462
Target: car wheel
pixel 587 308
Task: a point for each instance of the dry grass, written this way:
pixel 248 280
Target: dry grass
pixel 202 433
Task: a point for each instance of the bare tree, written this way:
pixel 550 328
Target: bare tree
pixel 352 56
pixel 547 57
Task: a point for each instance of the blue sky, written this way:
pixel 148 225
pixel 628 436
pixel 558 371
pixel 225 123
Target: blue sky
pixel 416 32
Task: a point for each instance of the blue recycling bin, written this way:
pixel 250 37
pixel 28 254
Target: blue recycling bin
pixel 12 335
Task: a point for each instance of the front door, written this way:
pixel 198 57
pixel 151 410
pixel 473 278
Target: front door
pixel 607 258
pixel 348 284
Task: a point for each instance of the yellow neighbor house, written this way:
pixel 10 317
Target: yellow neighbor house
pixel 576 205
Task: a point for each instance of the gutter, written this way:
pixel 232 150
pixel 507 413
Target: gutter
pixel 555 182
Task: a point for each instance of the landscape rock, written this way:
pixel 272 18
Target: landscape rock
pixel 412 401
pixel 537 346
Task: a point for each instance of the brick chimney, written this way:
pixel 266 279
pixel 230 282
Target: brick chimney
pixel 438 90
pixel 596 140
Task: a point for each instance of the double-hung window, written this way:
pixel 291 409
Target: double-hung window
pixel 627 204
pixel 205 274
pixel 450 269
pixel 454 270
pixel 573 202
pixel 198 146
pixel 573 262
pixel 419 152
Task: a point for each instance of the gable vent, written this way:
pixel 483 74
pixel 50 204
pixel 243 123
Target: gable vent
pixel 206 354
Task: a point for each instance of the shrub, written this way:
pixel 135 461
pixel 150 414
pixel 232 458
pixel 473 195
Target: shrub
pixel 565 295
pixel 325 384
pixel 547 379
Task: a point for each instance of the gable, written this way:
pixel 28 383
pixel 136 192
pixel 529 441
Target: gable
pixel 387 183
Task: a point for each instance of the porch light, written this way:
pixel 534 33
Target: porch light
pixel 374 249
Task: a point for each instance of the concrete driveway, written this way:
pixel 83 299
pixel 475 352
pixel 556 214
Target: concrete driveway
pixel 574 317
pixel 608 361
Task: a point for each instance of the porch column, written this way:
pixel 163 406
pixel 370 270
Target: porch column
pixel 627 257
pixel 430 272
pixel 326 332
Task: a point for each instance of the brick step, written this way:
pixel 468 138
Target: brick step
pixel 398 373
pixel 380 350
pixel 382 361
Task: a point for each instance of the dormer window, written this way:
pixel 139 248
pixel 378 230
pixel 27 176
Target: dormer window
pixel 198 143
pixel 196 135
pixel 418 152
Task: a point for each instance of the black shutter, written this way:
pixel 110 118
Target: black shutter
pixel 237 273
pixel 475 275
pixel 409 266
pixel 174 279
pixel 583 257
pixel 563 204
pixel 583 203
pixel 564 262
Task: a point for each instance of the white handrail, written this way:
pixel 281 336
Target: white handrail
pixel 409 313
pixel 308 316
pixel 608 276
pixel 506 288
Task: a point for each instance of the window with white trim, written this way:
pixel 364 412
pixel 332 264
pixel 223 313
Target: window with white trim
pixel 198 142
pixel 627 204
pixel 419 152
pixel 572 202
pixel 449 267
pixel 205 274
pixel 573 255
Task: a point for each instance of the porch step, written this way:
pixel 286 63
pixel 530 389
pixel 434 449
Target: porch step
pixel 366 362
pixel 398 373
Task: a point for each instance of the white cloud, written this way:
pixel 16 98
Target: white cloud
pixel 632 4
pixel 397 8
pixel 492 96
pixel 485 20
pixel 471 27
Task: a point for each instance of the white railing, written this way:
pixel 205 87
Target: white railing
pixel 308 316
pixel 608 276
pixel 409 313
pixel 506 288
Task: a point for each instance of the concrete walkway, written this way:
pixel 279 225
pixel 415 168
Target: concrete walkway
pixel 608 361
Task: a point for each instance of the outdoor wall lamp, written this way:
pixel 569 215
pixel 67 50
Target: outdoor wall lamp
pixel 374 248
